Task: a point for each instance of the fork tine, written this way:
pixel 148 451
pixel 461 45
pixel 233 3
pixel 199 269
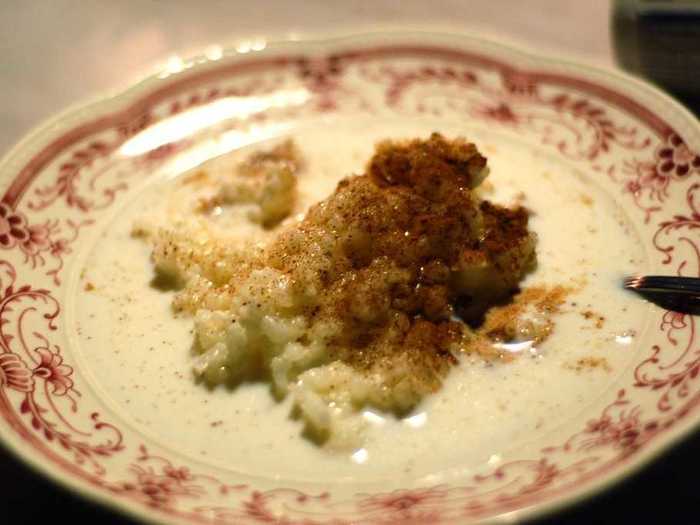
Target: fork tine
pixel 663 283
pixel 633 281
pixel 680 294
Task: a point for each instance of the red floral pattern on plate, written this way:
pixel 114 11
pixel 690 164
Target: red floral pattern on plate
pixel 65 187
pixel 32 367
pixel 675 158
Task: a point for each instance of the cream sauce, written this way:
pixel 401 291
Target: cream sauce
pixel 139 356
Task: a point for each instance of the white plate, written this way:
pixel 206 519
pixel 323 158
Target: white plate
pixel 85 400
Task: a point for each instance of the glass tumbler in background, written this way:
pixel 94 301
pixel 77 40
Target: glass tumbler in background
pixel 660 40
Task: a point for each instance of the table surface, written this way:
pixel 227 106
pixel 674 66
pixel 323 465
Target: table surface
pixel 59 52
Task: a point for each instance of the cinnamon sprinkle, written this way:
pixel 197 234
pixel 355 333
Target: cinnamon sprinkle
pixel 397 252
pixel 589 363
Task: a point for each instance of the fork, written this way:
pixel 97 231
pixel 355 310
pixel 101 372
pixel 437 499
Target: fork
pixel 681 294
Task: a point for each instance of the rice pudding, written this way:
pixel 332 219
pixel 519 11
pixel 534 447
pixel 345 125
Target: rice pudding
pixel 366 300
